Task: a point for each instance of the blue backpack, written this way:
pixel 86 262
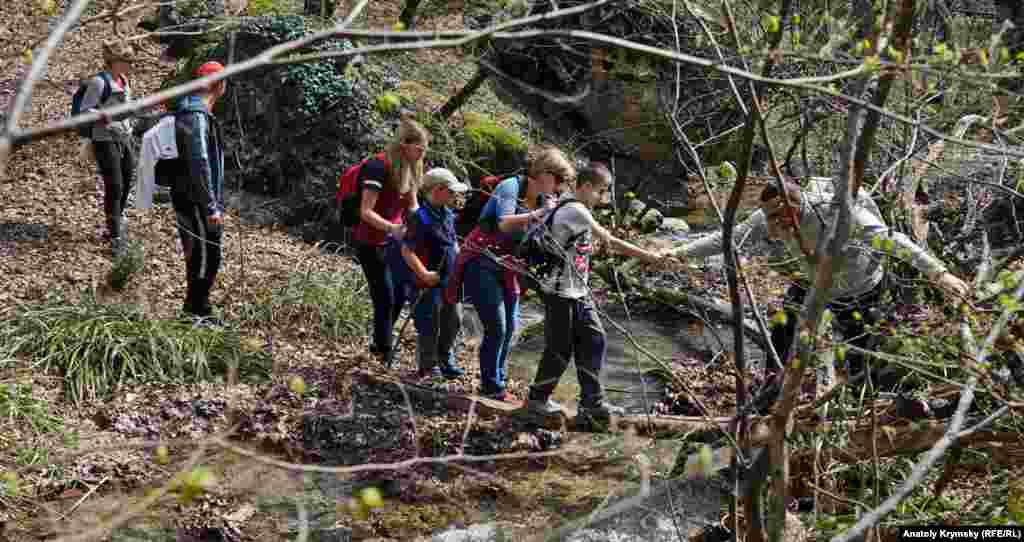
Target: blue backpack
pixel 76 101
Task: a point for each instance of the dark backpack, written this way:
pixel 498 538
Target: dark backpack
pixel 167 170
pixel 543 256
pixel 349 197
pixel 76 101
pixel 469 216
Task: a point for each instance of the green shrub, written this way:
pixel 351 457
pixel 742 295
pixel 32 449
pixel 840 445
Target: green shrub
pixel 126 265
pixel 486 137
pixel 100 347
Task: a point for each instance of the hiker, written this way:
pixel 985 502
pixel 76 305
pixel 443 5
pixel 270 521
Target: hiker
pixel 572 328
pixel 197 194
pixel 111 140
pixel 428 253
pixel 389 186
pixel 484 266
pixel 859 272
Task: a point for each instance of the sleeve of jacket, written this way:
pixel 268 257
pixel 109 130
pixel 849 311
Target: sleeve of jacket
pixel 751 230
pixel 93 94
pixel 877 235
pixel 195 148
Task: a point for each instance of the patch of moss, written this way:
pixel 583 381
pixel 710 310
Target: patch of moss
pixel 268 7
pixel 485 136
pixel 388 103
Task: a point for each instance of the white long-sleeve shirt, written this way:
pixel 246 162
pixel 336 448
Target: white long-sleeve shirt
pixel 158 143
pixel 859 268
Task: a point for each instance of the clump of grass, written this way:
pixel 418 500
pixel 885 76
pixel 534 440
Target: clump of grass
pixel 335 303
pixel 20 408
pixel 99 347
pixel 126 265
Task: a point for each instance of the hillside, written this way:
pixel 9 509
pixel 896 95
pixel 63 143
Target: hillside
pixel 74 467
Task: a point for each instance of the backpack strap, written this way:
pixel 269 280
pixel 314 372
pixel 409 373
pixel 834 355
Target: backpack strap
pixel 108 82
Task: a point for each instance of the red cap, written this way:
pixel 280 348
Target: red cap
pixel 208 68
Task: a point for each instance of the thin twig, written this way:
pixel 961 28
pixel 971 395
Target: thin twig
pixel 84 497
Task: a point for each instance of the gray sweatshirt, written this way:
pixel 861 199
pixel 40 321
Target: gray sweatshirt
pixel 120 130
pixel 859 267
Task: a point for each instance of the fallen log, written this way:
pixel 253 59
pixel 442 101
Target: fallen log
pixel 644 424
pixel 900 438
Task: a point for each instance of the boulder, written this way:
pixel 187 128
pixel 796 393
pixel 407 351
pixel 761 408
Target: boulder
pixel 290 131
pixel 675 226
pixel 186 16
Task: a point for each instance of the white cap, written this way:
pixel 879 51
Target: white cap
pixel 440 175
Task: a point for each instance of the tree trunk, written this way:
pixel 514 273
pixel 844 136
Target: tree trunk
pixel 457 100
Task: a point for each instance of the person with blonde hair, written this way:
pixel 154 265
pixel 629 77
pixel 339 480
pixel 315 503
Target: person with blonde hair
pixel 493 287
pixel 111 140
pixel 389 185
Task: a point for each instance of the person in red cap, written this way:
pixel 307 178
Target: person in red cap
pixel 197 193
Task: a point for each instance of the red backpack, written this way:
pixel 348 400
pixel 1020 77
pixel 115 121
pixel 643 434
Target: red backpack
pixel 349 197
pixel 470 215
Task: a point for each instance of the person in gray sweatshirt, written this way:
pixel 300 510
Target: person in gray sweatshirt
pixel 112 139
pixel 859 269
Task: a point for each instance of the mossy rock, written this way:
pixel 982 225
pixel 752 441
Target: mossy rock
pixel 485 136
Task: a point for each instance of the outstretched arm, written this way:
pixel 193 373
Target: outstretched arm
pixel 878 235
pixel 753 229
pixel 618 245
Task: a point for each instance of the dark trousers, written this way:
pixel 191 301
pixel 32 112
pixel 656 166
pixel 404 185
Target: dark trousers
pixel 850 327
pixel 201 243
pixel 387 295
pixel 437 327
pixel 116 161
pixel 572 331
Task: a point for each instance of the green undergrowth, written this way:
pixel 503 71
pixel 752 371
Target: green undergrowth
pixel 98 348
pixel 336 304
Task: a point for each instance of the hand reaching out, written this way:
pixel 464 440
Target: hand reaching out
pixel 952 286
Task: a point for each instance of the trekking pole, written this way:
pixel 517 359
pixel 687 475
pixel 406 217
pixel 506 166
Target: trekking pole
pixel 412 310
pixel 401 331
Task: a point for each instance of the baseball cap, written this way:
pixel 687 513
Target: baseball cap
pixel 208 68
pixel 443 176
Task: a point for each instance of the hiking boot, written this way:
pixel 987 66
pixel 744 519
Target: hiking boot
pixel 208 322
pixel 118 247
pixel 598 417
pixel 544 407
pixel 432 373
pixel 502 396
pixel 451 372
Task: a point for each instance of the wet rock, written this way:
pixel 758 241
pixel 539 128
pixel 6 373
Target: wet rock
pixel 349 440
pixel 674 226
pixel 651 220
